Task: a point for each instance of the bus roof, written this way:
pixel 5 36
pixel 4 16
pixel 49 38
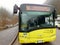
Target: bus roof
pixel 36 7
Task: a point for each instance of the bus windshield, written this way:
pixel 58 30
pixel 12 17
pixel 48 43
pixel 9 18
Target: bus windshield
pixel 31 20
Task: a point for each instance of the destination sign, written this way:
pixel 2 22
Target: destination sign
pixel 37 8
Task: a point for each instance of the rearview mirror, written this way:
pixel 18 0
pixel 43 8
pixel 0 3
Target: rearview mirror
pixel 15 9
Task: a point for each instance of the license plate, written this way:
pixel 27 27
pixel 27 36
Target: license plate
pixel 40 41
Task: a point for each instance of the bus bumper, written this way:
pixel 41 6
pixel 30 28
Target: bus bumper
pixel 36 40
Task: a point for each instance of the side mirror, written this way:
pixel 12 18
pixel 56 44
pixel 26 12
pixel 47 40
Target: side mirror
pixel 15 9
pixel 55 13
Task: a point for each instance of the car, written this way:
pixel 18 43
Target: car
pixel 57 22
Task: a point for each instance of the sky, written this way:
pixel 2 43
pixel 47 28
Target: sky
pixel 8 4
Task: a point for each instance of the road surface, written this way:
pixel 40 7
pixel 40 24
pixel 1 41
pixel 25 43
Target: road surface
pixel 56 42
pixel 7 36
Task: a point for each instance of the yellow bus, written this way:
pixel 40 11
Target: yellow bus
pixel 36 23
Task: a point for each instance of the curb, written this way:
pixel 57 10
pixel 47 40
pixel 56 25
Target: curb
pixel 14 39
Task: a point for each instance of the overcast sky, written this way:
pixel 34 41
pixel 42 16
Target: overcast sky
pixel 8 4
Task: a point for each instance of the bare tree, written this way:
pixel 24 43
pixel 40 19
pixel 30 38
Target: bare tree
pixel 6 18
pixel 4 15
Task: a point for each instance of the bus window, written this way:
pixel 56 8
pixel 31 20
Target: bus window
pixel 31 21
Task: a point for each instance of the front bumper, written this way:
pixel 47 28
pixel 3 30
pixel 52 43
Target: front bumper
pixel 37 40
